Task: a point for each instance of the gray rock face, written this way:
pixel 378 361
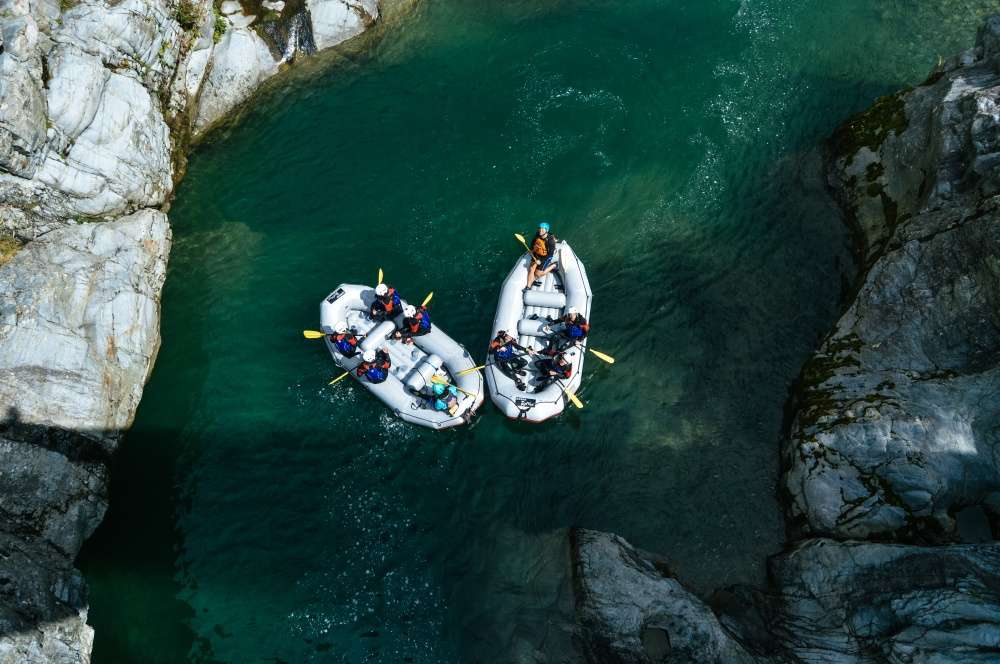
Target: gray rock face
pixel 79 323
pixel 631 612
pixel 96 103
pixel 845 602
pixel 867 603
pixel 897 421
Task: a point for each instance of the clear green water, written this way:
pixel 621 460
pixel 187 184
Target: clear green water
pixel 260 516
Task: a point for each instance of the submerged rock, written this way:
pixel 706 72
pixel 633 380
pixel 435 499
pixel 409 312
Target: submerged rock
pixel 897 417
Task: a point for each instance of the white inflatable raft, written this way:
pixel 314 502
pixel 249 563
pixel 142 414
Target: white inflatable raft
pixel 409 384
pixel 523 314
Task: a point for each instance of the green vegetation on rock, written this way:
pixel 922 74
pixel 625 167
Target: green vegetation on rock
pixel 187 15
pixel 8 247
pixel 870 128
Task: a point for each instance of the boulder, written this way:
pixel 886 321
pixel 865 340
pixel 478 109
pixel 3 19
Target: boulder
pixel 241 61
pixel 79 324
pixel 895 427
pixel 862 603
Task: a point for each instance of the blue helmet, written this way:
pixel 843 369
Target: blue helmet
pixel 438 389
pixel 544 226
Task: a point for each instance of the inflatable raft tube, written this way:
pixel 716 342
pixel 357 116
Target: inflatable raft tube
pixel 409 384
pixel 523 314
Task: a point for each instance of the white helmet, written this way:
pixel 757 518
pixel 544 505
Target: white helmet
pixel 410 311
pixel 340 327
pixel 572 310
pixel 381 290
pixel 368 355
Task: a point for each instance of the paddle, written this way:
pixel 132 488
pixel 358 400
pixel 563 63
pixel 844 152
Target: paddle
pixel 572 397
pixel 603 356
pixel 520 238
pixel 340 378
pixel 438 379
pixel 427 299
pixel 312 334
pixel 468 371
pixel 379 277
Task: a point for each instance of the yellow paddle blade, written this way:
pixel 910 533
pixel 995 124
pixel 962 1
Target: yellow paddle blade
pixel 520 238
pixel 573 397
pixel 340 378
pixel 379 277
pixel 468 371
pixel 427 299
pixel 607 358
pixel 312 334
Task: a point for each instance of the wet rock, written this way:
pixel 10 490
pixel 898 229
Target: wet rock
pixel 43 605
pixel 631 612
pixel 896 422
pixel 860 602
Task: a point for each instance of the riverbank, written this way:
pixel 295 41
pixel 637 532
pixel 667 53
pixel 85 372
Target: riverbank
pixel 101 104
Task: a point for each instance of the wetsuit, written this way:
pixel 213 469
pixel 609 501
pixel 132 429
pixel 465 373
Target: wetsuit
pixel 570 332
pixel 552 369
pixel 506 356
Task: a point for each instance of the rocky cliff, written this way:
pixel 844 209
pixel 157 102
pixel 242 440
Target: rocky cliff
pixel 890 468
pixel 98 102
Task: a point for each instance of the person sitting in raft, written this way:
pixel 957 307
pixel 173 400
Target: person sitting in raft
pixel 416 322
pixel 344 341
pixel 375 365
pixel 543 254
pixel 506 355
pixel 573 329
pixel 445 398
pixel 553 368
pixel 386 305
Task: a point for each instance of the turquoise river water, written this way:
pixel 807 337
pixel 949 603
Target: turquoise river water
pixel 258 515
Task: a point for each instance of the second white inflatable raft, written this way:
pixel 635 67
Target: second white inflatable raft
pixel 407 389
pixel 523 314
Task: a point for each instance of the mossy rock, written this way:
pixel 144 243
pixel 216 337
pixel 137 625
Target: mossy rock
pixel 870 128
pixel 8 247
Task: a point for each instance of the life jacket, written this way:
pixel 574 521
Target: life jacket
pixel 543 248
pixel 577 330
pixel 376 374
pixel 376 371
pixel 346 343
pixel 391 301
pixel 503 351
pixel 448 400
pixel 420 322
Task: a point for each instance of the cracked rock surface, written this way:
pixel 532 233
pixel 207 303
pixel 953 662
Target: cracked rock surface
pixel 897 422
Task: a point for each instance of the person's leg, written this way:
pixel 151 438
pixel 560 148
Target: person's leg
pixel 531 274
